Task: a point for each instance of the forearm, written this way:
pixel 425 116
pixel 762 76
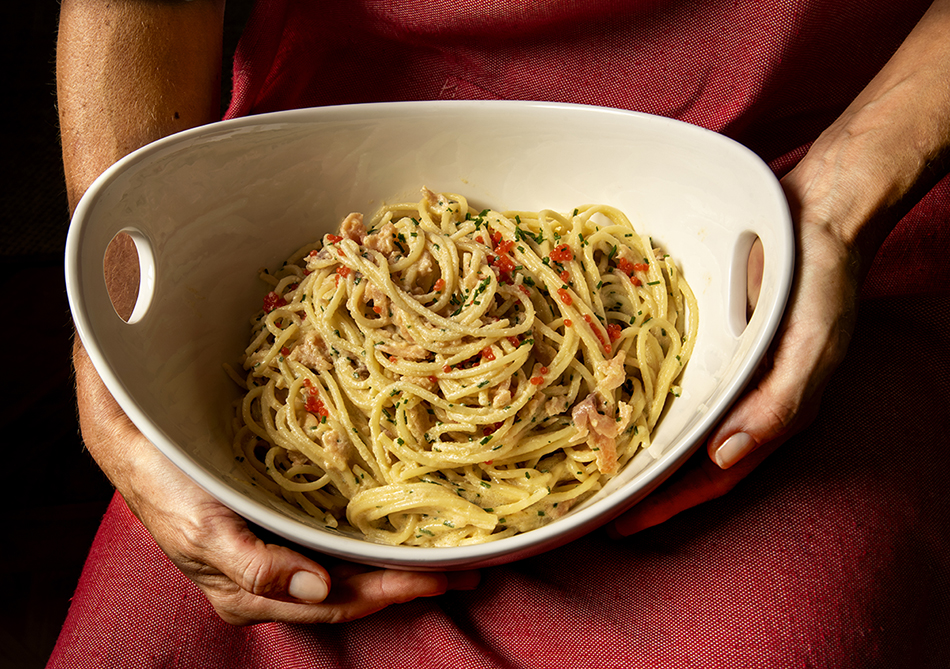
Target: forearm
pixel 129 72
pixel 108 434
pixel 887 149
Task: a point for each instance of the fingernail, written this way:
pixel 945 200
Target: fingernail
pixel 733 449
pixel 308 587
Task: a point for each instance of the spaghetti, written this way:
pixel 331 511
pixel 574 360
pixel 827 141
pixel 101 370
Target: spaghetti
pixel 446 376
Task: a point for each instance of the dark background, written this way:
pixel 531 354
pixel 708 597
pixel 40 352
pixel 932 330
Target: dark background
pixel 53 495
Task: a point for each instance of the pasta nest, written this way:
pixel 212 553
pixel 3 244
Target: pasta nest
pixel 445 376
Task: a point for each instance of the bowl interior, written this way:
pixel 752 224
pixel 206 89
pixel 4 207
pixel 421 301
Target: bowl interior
pixel 209 207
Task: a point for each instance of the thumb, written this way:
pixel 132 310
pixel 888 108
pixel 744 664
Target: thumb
pixel 811 342
pixel 270 570
pixel 769 414
pixel 788 390
pixel 244 578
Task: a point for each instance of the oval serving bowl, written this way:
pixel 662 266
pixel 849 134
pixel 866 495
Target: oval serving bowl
pixel 208 207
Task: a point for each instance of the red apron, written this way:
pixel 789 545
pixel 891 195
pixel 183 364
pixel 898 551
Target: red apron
pixel 834 553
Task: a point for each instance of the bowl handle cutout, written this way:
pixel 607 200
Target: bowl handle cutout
pixel 745 280
pixel 128 267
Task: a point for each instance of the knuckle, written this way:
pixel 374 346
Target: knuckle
pixel 196 534
pixel 258 574
pixel 778 416
pixel 230 608
pixel 227 601
pixel 230 617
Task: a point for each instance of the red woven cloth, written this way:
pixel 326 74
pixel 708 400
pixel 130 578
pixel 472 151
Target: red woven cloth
pixel 771 74
pixel 834 553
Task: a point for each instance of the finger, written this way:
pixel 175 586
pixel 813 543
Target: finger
pixel 810 344
pixel 274 571
pixel 786 394
pixel 768 414
pixel 340 569
pixel 219 542
pixel 363 594
pixel 236 606
pixel 247 580
pixel 699 481
pixel 356 596
pixel 455 580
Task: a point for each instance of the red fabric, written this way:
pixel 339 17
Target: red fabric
pixel 770 74
pixel 835 553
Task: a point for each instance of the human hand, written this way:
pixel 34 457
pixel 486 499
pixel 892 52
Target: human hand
pixel 245 579
pixel 784 395
pixel 859 178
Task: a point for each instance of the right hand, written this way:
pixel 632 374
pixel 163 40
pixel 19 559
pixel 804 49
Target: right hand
pixel 245 579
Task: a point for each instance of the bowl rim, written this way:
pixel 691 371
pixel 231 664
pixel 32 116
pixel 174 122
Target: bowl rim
pixel 579 521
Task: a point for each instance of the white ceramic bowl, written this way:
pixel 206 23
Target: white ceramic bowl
pixel 208 207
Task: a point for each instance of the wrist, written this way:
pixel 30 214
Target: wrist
pixel 101 420
pixel 886 150
pixel 868 169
